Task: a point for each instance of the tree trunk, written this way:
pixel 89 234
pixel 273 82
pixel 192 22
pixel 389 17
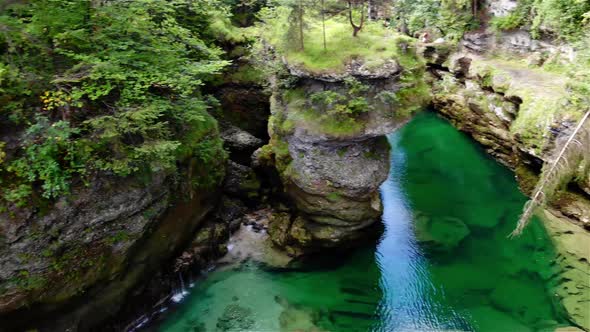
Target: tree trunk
pixel 324 24
pixel 356 28
pixel 300 19
pixel 355 31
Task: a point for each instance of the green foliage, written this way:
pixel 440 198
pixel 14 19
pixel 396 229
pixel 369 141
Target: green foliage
pixel 509 22
pixel 28 282
pixel 566 18
pixel 327 100
pixel 2 153
pixel 51 156
pixel 375 45
pixel 120 236
pixel 447 18
pixel 579 71
pixel 350 104
pixel 110 86
pixel 334 196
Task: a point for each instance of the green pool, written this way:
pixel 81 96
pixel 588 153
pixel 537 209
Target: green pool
pixel 443 263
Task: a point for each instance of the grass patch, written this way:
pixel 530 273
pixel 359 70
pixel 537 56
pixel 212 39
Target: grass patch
pixel 374 45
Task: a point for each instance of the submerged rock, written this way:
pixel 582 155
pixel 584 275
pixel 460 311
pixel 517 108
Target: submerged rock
pixel 440 233
pixel 514 295
pixel 297 318
pixel 235 318
pixel 486 318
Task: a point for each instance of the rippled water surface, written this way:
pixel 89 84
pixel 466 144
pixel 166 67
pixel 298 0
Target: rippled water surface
pixel 443 263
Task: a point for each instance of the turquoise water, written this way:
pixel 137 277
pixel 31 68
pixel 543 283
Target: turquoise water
pixel 443 262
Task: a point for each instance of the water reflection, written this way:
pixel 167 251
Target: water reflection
pixel 407 304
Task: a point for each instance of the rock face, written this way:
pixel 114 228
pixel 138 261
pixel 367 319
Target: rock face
pixel 517 41
pixel 241 181
pixel 81 258
pixel 245 107
pixel 501 7
pixel 331 163
pixel 97 245
pixel 511 111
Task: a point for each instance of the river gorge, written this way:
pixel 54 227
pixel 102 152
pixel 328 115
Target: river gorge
pixel 295 165
pixel 443 262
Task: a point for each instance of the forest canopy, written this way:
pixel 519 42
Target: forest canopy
pixel 111 86
pixel 117 86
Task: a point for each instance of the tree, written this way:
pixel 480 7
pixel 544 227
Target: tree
pixel 378 9
pixel 573 153
pixel 104 86
pixel 296 21
pixel 359 5
pixel 323 9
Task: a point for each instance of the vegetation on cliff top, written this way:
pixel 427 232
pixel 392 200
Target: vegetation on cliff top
pixel 111 86
pixel 326 44
pixel 562 18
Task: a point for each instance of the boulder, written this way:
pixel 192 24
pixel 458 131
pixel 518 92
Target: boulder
pixel 235 318
pixel 440 233
pixel 240 144
pixel 230 211
pixel 241 181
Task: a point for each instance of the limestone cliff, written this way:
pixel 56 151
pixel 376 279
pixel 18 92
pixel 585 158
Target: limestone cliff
pixel 518 114
pixel 327 143
pixel 81 257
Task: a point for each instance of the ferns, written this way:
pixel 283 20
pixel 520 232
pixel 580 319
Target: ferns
pixel 572 157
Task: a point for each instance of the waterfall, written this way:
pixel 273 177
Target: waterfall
pixel 181 293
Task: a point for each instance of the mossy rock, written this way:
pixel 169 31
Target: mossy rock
pixel 235 318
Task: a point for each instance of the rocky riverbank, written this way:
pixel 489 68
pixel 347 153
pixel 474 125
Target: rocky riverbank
pixel 84 256
pixel 519 113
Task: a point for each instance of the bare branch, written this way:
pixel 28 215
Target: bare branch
pixel 551 176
